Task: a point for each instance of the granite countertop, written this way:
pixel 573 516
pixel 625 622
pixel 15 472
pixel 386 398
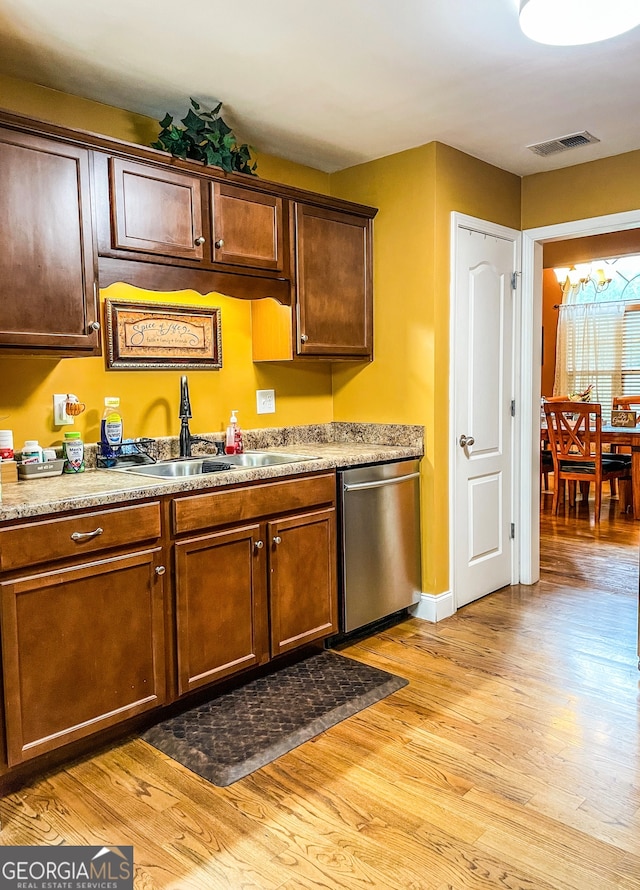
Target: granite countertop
pixel 329 446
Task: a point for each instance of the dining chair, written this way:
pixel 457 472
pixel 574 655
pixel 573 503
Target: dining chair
pixel 624 403
pixel 627 403
pixel 575 439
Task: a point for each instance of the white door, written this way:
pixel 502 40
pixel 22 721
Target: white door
pixel 483 389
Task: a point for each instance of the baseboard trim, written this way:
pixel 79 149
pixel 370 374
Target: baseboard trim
pixel 434 608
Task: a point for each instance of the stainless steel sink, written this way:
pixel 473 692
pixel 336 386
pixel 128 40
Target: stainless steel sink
pixel 197 466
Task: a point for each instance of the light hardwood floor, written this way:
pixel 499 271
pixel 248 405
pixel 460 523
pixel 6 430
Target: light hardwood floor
pixel 511 760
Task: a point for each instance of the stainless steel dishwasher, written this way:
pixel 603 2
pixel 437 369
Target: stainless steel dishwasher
pixel 380 541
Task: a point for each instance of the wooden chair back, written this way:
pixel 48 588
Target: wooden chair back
pixel 575 431
pixel 627 403
pixel 575 438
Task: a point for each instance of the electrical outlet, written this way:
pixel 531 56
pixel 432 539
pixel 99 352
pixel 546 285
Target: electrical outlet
pixel 60 416
pixel 266 401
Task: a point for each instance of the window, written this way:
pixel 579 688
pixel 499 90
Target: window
pixel 599 331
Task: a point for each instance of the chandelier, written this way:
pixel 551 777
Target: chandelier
pixel 582 276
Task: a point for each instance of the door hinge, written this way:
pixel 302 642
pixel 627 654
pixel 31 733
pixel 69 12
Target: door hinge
pixel 514 280
pixel 513 530
pixel 513 407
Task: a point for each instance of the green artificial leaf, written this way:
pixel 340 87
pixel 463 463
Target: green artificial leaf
pixel 206 137
pixel 193 122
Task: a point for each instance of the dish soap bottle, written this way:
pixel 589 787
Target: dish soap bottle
pixel 111 429
pixel 233 441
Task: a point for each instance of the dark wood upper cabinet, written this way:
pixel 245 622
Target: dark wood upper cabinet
pixel 154 210
pixel 48 269
pixel 247 227
pixel 75 207
pixel 333 282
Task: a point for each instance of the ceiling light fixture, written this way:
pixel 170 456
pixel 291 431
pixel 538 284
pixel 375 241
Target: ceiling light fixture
pixel 581 276
pixel 573 22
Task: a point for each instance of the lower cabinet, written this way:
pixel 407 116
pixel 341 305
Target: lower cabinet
pixel 220 605
pixel 302 593
pixel 251 592
pixel 83 648
pixel 89 636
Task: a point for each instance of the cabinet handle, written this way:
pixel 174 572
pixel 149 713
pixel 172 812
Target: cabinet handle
pixel 84 536
pixel 160 570
pixel 277 539
pixel 94 326
pixel 259 545
pixel 303 338
pixel 199 241
pixel 219 243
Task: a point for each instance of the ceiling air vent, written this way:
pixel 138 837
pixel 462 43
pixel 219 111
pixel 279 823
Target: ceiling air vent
pixel 563 143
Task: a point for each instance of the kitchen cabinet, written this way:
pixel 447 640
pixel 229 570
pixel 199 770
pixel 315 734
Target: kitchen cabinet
pixel 82 626
pixel 155 211
pixel 157 214
pixel 332 316
pixel 221 605
pixel 333 282
pixel 247 227
pixel 48 265
pixel 80 211
pixel 302 559
pixel 262 585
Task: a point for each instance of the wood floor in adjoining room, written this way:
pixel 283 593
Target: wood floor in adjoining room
pixel 511 760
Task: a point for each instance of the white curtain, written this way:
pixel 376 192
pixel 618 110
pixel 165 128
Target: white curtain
pixel 589 350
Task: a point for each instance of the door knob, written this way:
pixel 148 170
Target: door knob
pixel 160 570
pixel 277 539
pixel 94 326
pixel 466 441
pixel 303 338
pixel 259 545
pixel 199 241
pixel 219 243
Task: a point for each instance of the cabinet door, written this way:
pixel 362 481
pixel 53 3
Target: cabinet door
pixel 303 600
pixel 155 211
pixel 47 261
pixel 247 227
pixel 82 649
pixel 333 281
pixel 220 605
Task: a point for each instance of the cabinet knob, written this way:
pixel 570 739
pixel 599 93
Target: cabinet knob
pixel 160 570
pixel 219 243
pixel 199 241
pixel 277 539
pixel 94 326
pixel 259 545
pixel 303 338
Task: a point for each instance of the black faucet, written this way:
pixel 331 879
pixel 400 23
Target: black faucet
pixel 186 439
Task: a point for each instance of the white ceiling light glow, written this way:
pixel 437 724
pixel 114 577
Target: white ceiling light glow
pixel 573 22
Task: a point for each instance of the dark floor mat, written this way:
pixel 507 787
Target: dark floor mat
pixel 236 733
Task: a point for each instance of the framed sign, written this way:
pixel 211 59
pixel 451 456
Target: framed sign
pixel 623 418
pixel 157 336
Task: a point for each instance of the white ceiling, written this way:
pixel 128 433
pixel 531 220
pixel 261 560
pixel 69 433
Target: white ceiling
pixel 332 83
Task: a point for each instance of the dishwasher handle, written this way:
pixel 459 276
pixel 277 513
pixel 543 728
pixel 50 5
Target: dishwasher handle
pixel 361 486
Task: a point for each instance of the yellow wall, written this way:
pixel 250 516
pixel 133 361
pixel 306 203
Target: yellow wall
pixel 149 399
pixel 408 382
pixel 610 185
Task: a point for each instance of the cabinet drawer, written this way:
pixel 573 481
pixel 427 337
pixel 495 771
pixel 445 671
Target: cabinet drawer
pixel 241 504
pixel 55 539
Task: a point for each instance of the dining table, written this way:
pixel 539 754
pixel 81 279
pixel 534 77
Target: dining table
pixel 620 435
